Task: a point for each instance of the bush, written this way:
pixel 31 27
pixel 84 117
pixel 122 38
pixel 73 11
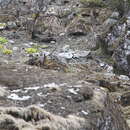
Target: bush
pixel 3 40
pixel 31 50
pixel 7 51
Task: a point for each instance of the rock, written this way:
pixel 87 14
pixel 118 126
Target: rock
pixel 81 54
pixel 11 25
pixel 128 22
pixel 15 48
pixel 46 28
pixel 86 92
pixel 11 41
pixel 67 55
pixel 115 15
pixel 66 48
pixel 110 86
pixel 53 42
pixel 110 69
pixel 78 27
pixel 125 99
pixel 3 92
pixel 124 77
pixel 71 90
pixel 53 87
pixel 109 22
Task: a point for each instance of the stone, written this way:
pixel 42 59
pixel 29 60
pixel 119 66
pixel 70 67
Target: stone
pixel 128 47
pixel 11 25
pixel 78 28
pixel 81 54
pixel 128 21
pixel 115 15
pixel 125 99
pixel 66 55
pixel 15 48
pixel 110 22
pixel 124 77
pixel 66 48
pixel 3 92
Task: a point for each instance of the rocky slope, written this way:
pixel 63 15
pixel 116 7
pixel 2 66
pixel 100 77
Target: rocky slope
pixel 64 65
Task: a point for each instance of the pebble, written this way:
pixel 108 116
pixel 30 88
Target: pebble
pixel 81 54
pixel 53 42
pixel 11 41
pixel 15 48
pixel 84 112
pixel 66 55
pixel 72 91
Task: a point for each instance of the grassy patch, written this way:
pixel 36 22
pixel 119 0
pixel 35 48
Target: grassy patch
pixel 31 50
pixel 3 40
pixel 2 24
pixel 7 51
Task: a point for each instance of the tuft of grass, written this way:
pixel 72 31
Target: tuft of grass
pixel 7 51
pixel 1 46
pixel 31 50
pixel 2 24
pixel 3 40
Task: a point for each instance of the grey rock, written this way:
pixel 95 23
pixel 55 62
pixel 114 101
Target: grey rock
pixel 11 25
pixel 115 15
pixel 66 55
pixel 81 54
pixel 110 21
pixel 3 92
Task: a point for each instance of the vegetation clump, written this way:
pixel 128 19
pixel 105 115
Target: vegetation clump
pixel 3 40
pixel 31 50
pixel 1 46
pixel 2 25
pixel 7 51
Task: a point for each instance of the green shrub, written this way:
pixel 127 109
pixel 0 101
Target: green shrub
pixel 31 50
pixel 3 40
pixel 7 51
pixel 2 25
pixel 1 46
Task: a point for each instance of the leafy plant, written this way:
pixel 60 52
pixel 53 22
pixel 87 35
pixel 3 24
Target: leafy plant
pixel 1 46
pixel 7 51
pixel 31 50
pixel 3 40
pixel 2 25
